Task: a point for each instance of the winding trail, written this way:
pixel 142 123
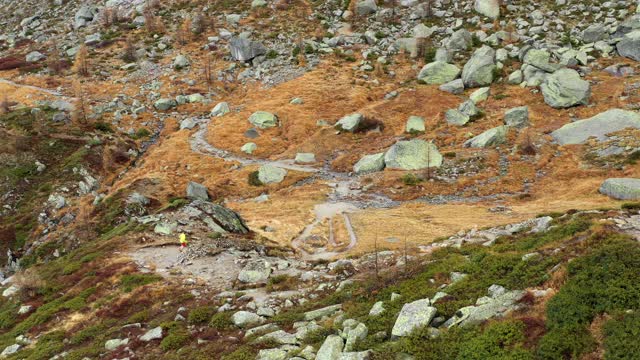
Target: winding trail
pixel 34 88
pixel 345 197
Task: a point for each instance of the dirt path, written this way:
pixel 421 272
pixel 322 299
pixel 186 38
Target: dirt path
pixel 34 88
pixel 344 198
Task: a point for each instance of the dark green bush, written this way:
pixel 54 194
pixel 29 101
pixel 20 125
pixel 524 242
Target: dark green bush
pixel 221 321
pixel 131 281
pixel 621 337
pixel 201 315
pixel 565 343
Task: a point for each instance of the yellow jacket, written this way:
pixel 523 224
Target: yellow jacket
pixel 183 239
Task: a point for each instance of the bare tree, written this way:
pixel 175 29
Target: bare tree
pixel 129 53
pixel 375 249
pixel 208 72
pixel 182 33
pixel 79 114
pixel 4 104
pixel 55 64
pixel 81 65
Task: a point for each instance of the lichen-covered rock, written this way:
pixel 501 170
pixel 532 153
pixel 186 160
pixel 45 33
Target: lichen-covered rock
pixel 255 272
pixel 629 46
pixel 438 72
pixel 220 109
pixel 305 158
pixel 517 117
pixel 456 117
pixel 621 188
pixel 415 124
pixel 243 319
pixel 226 218
pixel 320 313
pixel 413 315
pixel 197 191
pixel 491 137
pixel 331 348
pixel 488 8
pixel 269 174
pixel 412 155
pixel 598 126
pixel 350 123
pixel 565 88
pixel 243 49
pixel 263 120
pixel 369 163
pixel 478 71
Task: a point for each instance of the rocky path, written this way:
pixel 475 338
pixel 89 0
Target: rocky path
pixel 345 196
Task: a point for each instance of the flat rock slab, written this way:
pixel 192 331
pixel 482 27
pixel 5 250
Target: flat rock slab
pixel 598 126
pixel 621 188
pixel 413 316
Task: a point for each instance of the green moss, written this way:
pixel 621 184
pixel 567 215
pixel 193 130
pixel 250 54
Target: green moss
pixel 241 353
pixel 140 317
pixel 201 315
pixel 132 281
pixel 177 337
pixel 410 179
pixel 221 321
pixel 621 336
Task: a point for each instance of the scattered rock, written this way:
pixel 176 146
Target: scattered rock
pixel 153 334
pixel 369 163
pixel 269 174
pixel 197 191
pixel 413 315
pixel 565 88
pixel 257 271
pixel 412 155
pixel 491 137
pixel 415 124
pixel 517 117
pixel 263 120
pixel 478 71
pixel 350 123
pixel 598 126
pixel 621 188
pixel 438 73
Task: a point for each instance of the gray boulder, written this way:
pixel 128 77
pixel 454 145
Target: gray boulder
pixel 263 120
pixel 269 174
pixel 244 49
pixel 331 348
pixel 415 124
pixel 455 87
pixel 629 46
pixel 220 109
pixel 197 191
pixel 225 218
pixel 540 59
pixel 456 117
pixel 249 148
pixel 34 56
pixel 412 155
pixel 369 164
pixel 598 126
pixel 255 272
pixel 469 108
pixel 113 344
pixel 413 315
pixel 350 123
pixel 153 334
pixel 180 62
pixel 438 72
pixel 491 137
pixel 621 188
pixel 500 304
pixel 366 7
pixel 165 104
pixel 488 8
pixel 377 309
pixel 478 71
pixel 459 40
pixel 243 319
pixel 83 16
pixel 517 117
pixel 320 313
pixel 305 158
pixel 565 88
pixel 272 354
pixel 480 95
pixel 594 32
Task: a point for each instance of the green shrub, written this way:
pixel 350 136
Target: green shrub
pixel 621 337
pixel 102 126
pixel 131 281
pixel 139 317
pixel 241 353
pixel 631 206
pixel 177 337
pixel 221 321
pixel 271 54
pixel 565 343
pixel 201 315
pixel 410 179
pixel 254 180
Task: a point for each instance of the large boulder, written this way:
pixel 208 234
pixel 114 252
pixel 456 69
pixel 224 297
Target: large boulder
pixel 517 117
pixel 621 188
pixel 244 49
pixel 263 120
pixel 220 109
pixel 322 312
pixel 34 56
pixel 350 123
pixel 459 40
pixel 488 8
pixel 223 217
pixel 366 7
pixel 412 155
pixel 369 163
pixel 269 174
pixel 594 32
pixel 165 104
pixel 255 272
pixel 478 71
pixel 491 137
pixel 629 46
pixel 564 88
pixel 243 319
pixel 413 316
pixel 598 126
pixel 415 124
pixel 197 191
pixel 84 15
pixel 498 304
pixel 456 117
pixel 331 348
pixel 438 72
